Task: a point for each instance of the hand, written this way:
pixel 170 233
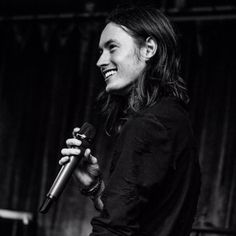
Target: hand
pixel 88 168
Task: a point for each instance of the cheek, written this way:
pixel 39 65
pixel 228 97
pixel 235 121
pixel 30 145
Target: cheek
pixel 126 57
pixel 130 65
pixel 137 68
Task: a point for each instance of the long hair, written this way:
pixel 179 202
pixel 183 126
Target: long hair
pixel 161 74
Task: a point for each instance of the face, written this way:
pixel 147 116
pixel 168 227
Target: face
pixel 119 61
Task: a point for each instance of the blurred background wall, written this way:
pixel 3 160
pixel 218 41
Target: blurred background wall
pixel 49 84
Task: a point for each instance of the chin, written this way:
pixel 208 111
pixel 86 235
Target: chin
pixel 111 90
pixel 123 91
pixel 111 87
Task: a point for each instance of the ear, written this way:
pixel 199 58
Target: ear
pixel 149 49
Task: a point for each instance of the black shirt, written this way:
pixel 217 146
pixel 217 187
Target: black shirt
pixel 154 178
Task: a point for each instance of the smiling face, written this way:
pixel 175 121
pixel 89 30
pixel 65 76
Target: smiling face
pixel 119 61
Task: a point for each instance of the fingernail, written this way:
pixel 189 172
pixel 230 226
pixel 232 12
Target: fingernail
pixel 77 151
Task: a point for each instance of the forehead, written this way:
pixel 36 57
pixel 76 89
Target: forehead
pixel 114 33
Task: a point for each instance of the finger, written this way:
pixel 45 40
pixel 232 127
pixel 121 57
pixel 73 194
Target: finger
pixel 85 160
pixel 70 151
pixel 87 153
pixel 93 159
pixel 75 130
pixel 73 142
pixel 64 160
pixel 93 170
pixel 89 157
pixel 84 178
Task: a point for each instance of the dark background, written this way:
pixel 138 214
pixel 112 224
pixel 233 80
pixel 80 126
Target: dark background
pixel 49 83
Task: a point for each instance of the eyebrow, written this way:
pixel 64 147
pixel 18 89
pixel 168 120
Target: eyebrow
pixel 107 43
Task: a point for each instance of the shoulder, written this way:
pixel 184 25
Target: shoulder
pixel 168 109
pixel 145 126
pixel 164 119
pixel 171 113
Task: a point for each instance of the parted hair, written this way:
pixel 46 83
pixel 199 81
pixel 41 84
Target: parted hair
pixel 161 74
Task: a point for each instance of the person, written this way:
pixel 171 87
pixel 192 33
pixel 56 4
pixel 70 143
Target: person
pixel 154 180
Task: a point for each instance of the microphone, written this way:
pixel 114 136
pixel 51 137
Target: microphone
pixel 86 135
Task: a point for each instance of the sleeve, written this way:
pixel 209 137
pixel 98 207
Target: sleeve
pixel 141 161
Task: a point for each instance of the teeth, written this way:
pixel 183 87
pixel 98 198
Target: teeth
pixel 109 73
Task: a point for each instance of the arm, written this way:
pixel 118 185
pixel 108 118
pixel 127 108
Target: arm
pixel 140 163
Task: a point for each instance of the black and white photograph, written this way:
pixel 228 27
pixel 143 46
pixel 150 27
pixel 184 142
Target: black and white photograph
pixel 117 118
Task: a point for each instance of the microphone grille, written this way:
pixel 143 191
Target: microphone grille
pixel 88 130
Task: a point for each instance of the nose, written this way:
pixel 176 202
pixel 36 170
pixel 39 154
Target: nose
pixel 103 59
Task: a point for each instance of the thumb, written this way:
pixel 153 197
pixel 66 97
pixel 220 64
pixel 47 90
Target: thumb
pixel 89 157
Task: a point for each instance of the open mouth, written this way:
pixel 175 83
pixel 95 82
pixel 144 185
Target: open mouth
pixel 109 73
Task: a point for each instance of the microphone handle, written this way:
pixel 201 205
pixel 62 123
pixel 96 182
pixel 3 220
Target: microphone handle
pixel 59 184
pixel 62 178
pixel 86 135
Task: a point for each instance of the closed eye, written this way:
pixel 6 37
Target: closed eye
pixel 112 47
